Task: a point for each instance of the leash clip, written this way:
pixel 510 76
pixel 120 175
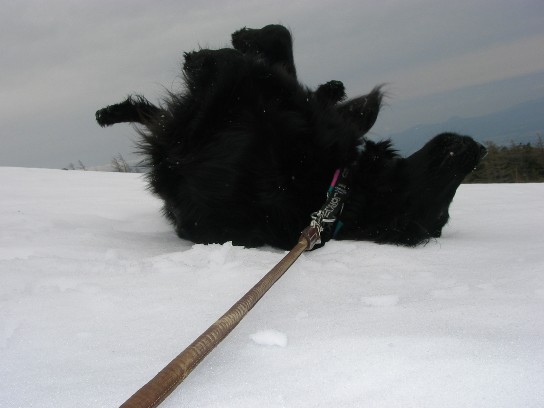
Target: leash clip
pixel 326 217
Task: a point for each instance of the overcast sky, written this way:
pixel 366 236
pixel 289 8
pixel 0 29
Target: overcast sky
pixel 62 60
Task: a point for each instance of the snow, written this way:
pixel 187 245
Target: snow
pixel 98 294
pixel 385 300
pixel 269 338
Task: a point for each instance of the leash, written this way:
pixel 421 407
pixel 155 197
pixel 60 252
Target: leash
pixel 320 230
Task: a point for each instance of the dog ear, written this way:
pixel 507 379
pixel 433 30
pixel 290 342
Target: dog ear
pixel 363 111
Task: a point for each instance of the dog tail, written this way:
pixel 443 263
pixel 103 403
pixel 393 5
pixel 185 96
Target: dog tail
pixel 363 111
pixel 135 109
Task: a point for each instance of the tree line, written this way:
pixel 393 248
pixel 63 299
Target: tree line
pixel 516 163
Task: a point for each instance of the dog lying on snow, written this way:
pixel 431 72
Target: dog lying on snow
pixel 246 153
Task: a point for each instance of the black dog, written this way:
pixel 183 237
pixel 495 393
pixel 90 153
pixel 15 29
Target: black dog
pixel 246 153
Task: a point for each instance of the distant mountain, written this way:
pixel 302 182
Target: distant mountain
pixel 519 124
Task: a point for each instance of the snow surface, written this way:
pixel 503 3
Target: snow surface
pixel 270 338
pixel 97 294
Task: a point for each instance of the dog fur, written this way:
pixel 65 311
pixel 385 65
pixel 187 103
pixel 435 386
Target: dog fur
pixel 245 153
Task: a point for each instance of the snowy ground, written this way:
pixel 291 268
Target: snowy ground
pixel 97 294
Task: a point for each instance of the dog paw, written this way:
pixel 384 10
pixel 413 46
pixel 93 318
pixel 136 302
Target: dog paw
pixel 331 92
pixel 103 117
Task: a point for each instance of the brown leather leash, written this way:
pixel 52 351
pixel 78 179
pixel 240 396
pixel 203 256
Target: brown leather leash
pixel 321 228
pixel 156 390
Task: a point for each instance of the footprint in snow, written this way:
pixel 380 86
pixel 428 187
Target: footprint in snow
pixel 269 338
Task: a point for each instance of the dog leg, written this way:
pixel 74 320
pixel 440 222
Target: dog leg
pixel 133 109
pixel 203 68
pixel 273 43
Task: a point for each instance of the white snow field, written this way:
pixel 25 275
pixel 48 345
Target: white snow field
pixel 97 294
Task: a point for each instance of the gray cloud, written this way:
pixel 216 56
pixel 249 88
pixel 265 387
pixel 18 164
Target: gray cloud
pixel 61 60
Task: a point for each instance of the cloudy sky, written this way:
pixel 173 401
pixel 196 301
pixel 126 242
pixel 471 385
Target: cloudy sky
pixel 62 60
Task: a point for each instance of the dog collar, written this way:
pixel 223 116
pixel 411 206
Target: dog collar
pixel 325 220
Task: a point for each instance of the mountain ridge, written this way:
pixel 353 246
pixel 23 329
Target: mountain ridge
pixel 522 123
